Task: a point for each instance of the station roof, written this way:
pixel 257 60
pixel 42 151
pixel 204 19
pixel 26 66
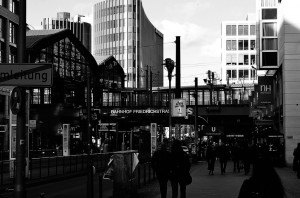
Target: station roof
pixel 37 40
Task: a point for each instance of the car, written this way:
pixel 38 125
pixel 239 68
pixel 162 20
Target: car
pixel 185 149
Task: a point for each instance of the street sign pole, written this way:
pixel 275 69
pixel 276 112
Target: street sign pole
pixel 20 190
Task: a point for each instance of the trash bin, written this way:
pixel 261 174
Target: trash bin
pixel 124 173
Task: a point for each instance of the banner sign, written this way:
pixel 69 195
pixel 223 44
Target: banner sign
pixel 265 90
pixel 178 107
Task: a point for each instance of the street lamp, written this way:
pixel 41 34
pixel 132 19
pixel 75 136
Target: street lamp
pixel 169 64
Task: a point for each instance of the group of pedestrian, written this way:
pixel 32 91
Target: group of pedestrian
pixel 173 166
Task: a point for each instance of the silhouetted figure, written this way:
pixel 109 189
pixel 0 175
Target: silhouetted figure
pixel 264 182
pixel 236 156
pixel 247 156
pixel 211 158
pixel 296 162
pixel 160 163
pixel 180 165
pixel 223 154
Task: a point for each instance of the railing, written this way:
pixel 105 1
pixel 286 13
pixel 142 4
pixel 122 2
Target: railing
pixel 63 166
pixel 48 167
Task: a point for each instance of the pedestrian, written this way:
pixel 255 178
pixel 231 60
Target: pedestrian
pixel 211 158
pixel 180 167
pixel 296 161
pixel 235 155
pixel 160 163
pixel 247 156
pixel 223 155
pixel 264 181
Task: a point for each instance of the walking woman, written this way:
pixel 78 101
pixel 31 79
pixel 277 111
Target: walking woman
pixel 211 158
pixel 180 167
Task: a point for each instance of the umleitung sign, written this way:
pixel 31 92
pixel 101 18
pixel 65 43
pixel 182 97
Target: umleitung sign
pixel 26 75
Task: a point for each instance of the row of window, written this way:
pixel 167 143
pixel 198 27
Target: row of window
pixel 118 50
pixel 115 10
pixel 243 30
pixel 231 45
pixel 115 37
pixel 242 74
pixel 241 59
pixel 12 31
pixel 118 23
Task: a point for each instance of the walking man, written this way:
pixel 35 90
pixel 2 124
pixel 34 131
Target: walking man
pixel 160 163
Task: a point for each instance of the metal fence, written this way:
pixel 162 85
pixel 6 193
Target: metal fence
pixel 63 166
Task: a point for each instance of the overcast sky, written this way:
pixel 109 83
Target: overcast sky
pixel 197 22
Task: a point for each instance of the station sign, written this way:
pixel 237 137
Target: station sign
pixel 178 107
pixel 26 75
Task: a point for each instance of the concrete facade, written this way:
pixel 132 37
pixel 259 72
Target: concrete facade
pixel 289 60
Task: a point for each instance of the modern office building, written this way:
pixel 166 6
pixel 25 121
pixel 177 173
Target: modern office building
pixel 122 29
pixel 279 54
pixel 80 28
pixel 239 51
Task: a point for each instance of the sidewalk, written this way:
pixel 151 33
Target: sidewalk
pixel 217 185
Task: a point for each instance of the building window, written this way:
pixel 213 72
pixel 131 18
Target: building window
pixel 231 59
pixel 231 74
pixel 230 45
pixel 243 74
pixel 269 58
pixel 253 74
pixel 269 14
pixel 269 29
pixel 252 59
pixel 12 33
pixel 47 96
pixel 252 44
pixel 243 44
pixel 243 59
pixel 230 30
pixel 243 30
pixel 269 44
pixel 36 99
pixel 252 29
pixel 269 3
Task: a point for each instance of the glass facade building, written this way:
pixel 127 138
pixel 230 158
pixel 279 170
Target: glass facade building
pixel 122 29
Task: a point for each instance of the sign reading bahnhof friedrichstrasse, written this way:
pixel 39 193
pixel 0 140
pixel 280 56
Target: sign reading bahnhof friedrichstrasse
pixel 26 75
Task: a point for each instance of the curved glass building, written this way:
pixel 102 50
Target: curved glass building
pixel 122 29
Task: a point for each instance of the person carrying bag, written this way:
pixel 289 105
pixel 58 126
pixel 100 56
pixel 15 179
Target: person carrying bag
pixel 180 167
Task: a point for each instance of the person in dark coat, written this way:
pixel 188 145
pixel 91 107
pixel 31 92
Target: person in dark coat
pixel 236 155
pixel 296 161
pixel 264 181
pixel 180 166
pixel 223 154
pixel 211 158
pixel 160 163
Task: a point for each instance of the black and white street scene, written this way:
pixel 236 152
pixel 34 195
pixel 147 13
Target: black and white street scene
pixel 149 99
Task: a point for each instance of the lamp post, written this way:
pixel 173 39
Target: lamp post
pixel 169 64
pixel 90 189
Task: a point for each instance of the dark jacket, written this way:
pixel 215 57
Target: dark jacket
pixel 160 163
pixel 180 165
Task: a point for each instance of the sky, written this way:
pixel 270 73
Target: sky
pixel 197 22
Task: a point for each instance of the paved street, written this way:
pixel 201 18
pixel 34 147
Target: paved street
pixel 217 185
pixel 203 186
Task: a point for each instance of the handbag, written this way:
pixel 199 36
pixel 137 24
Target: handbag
pixel 187 178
